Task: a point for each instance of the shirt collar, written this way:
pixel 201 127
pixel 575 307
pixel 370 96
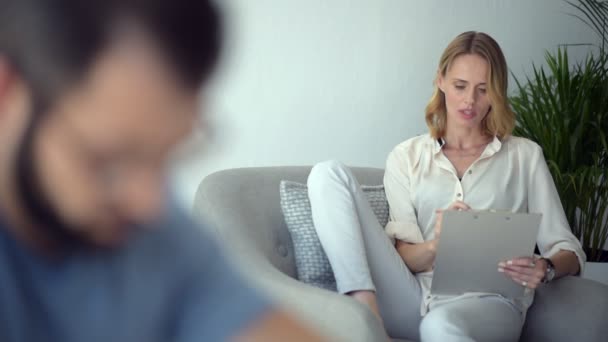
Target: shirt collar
pixel 438 144
pixel 493 147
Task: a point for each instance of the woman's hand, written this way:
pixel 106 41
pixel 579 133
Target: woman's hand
pixel 458 205
pixel 526 271
pixel 421 257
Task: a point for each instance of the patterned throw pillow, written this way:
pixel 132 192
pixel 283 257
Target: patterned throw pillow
pixel 311 262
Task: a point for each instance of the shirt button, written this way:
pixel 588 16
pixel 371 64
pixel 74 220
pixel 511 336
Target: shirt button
pixel 470 171
pixel 459 194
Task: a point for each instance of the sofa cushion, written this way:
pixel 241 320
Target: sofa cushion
pixel 312 266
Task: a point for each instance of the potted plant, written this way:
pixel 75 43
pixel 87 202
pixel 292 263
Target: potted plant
pixel 564 108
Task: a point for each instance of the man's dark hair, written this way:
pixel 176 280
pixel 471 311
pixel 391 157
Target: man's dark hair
pixel 52 43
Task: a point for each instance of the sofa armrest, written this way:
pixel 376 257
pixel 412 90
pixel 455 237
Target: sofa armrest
pixel 568 309
pixel 333 315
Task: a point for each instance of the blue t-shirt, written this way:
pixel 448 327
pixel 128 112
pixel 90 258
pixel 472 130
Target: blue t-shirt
pixel 169 282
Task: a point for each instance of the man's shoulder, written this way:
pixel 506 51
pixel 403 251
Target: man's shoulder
pixel 196 267
pixel 175 234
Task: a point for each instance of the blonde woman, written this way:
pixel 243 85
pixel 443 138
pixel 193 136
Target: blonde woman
pixel 468 160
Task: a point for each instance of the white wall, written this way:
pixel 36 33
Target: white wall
pixel 305 81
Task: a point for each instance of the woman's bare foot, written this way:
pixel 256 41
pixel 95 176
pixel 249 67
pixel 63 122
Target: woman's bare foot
pixel 369 299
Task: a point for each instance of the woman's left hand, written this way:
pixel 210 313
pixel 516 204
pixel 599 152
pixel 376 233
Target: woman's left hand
pixel 526 271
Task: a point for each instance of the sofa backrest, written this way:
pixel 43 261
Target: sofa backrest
pixel 244 205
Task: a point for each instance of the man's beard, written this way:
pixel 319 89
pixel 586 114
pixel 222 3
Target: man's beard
pixel 40 211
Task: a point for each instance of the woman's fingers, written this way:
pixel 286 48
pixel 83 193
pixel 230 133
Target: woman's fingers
pixel 523 280
pixel 524 271
pixel 459 205
pixel 438 222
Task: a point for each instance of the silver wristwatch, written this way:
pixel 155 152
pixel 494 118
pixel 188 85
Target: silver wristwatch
pixel 550 273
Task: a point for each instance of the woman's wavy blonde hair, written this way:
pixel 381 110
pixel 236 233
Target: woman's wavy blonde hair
pixel 500 121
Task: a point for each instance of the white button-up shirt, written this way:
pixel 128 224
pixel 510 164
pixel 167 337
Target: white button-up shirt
pixel 510 175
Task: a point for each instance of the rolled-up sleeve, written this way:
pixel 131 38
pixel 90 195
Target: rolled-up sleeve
pixel 402 224
pixel 555 233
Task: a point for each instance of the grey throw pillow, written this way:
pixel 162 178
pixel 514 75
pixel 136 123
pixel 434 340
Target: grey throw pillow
pixel 311 262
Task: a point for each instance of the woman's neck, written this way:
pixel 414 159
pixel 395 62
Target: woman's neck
pixel 465 138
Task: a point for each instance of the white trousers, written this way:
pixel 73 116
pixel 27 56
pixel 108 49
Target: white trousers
pixel 364 258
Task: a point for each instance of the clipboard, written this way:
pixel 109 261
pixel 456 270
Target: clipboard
pixel 471 245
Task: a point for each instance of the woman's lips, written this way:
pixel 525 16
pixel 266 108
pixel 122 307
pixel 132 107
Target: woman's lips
pixel 467 113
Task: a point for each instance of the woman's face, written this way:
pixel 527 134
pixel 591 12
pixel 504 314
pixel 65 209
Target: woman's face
pixel 465 88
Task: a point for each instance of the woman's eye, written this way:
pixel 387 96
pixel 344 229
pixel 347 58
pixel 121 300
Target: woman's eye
pixel 459 87
pixel 482 90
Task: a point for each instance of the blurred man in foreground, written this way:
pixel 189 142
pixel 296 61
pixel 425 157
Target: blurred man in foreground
pixel 94 96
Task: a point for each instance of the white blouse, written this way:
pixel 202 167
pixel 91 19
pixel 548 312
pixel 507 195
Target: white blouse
pixel 510 175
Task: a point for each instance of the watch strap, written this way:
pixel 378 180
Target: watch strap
pixel 550 272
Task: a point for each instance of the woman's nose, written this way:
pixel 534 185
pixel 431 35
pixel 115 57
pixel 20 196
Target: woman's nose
pixel 469 98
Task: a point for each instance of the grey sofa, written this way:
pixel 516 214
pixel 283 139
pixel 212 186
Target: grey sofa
pixel 243 207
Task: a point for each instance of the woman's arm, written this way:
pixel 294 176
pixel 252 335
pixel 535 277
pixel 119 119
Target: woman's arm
pixel 417 254
pixel 555 239
pixel 403 223
pixel 565 263
pixel 418 257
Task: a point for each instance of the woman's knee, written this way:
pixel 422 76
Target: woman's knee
pixel 439 324
pixel 324 172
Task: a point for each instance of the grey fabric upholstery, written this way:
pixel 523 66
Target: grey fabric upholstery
pixel 243 206
pixel 569 309
pixel 312 265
